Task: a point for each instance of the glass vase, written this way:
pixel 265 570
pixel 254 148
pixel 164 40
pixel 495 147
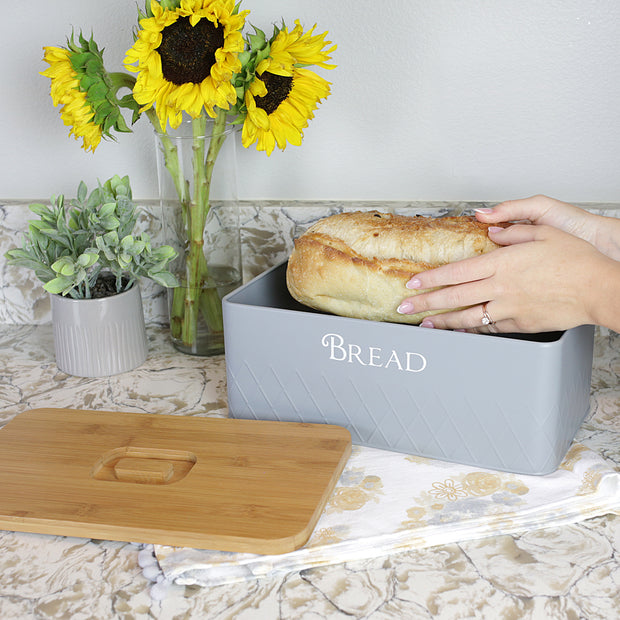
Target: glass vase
pixel 198 195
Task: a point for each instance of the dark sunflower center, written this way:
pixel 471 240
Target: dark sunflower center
pixel 278 88
pixel 188 52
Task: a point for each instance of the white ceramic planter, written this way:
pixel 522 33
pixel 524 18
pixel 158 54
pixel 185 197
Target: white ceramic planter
pixel 99 337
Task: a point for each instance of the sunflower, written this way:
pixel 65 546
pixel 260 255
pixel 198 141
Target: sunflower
pixel 186 56
pixel 284 94
pixel 86 92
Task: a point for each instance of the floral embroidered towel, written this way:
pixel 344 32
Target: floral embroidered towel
pixel 387 502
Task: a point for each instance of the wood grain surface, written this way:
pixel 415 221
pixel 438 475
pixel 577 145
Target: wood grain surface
pixel 211 483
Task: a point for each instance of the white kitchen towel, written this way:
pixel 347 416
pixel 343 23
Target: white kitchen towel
pixel 386 502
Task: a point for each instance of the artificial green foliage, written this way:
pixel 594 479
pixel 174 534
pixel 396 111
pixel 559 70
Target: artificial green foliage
pixel 69 248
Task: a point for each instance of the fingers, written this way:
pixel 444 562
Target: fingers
pixel 446 298
pixel 467 319
pixel 531 209
pixel 467 270
pixel 517 233
pixel 477 267
pixel 455 285
pixel 471 320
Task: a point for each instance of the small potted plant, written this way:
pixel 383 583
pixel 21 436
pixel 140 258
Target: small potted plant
pixel 90 261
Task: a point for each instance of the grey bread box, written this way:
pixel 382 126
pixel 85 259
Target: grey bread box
pixel 498 402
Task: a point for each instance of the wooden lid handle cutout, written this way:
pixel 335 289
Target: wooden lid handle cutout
pixel 144 465
pixel 143 471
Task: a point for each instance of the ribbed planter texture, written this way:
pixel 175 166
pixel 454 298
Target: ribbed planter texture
pixel 99 337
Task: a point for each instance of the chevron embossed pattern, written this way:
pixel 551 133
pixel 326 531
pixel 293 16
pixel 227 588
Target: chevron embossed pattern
pixel 506 403
pixel 482 430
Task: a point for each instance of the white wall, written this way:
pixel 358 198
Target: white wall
pixel 432 99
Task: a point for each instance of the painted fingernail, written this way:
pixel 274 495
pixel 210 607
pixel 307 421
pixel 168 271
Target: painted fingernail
pixel 405 308
pixel 483 210
pixel 427 323
pixel 414 283
pixel 494 229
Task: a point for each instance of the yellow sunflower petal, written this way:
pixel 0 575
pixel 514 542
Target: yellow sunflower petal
pixel 266 142
pixel 172 97
pixel 248 133
pixel 285 132
pixel 279 117
pixel 75 111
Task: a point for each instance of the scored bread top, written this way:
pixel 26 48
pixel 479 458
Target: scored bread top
pixel 431 240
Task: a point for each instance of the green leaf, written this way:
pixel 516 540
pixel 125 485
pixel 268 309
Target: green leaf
pixel 64 266
pixel 170 4
pixel 137 248
pixel 121 125
pixel 257 40
pixel 95 198
pixel 164 253
pixel 79 61
pixel 82 191
pixel 107 250
pixel 110 222
pixel 127 243
pixel 110 238
pixel 244 57
pixel 107 209
pixel 40 209
pixel 88 259
pixel 58 285
pixel 262 54
pixel 20 258
pixel 96 92
pixel 164 278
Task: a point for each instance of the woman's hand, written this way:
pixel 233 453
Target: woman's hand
pixel 602 232
pixel 547 277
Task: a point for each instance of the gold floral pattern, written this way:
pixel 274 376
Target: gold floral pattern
pixel 412 458
pixel 591 480
pixel 386 503
pixel 416 513
pixel 475 493
pixel 347 498
pixel 515 486
pixel 448 489
pixel 327 536
pixel 480 483
pixel 573 456
pixel 416 516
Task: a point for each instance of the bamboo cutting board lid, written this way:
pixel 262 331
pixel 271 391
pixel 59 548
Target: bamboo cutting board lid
pixel 211 483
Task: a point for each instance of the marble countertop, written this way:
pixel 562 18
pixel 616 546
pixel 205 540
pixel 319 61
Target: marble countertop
pixel 566 572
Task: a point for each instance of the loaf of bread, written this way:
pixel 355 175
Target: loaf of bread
pixel 357 264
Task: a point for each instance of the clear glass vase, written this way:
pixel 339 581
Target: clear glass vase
pixel 198 194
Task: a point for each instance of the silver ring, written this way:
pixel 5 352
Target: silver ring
pixel 486 317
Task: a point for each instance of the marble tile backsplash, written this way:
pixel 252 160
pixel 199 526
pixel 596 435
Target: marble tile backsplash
pixel 267 232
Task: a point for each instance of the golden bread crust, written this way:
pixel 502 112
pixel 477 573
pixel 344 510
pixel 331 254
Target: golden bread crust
pixel 357 264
